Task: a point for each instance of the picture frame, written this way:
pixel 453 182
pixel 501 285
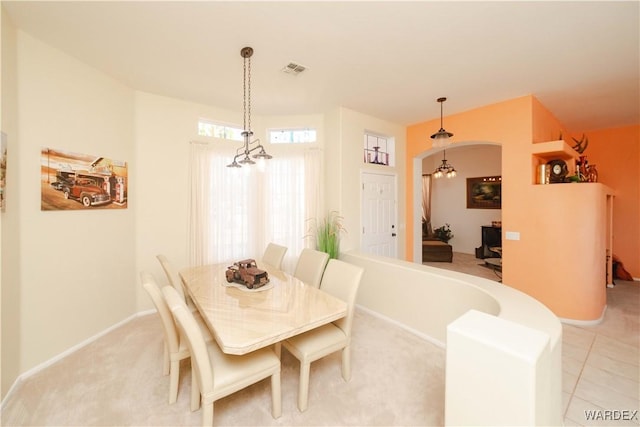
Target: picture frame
pixel 73 181
pixel 484 192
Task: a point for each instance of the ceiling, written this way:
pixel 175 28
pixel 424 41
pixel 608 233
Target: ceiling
pixel 387 59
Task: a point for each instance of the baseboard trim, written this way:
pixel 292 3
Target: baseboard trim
pixel 23 376
pixel 584 322
pixel 419 334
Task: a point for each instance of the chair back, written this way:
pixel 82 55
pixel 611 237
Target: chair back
pixel 171 336
pixel 274 254
pixel 172 277
pixel 197 346
pixel 310 266
pixel 342 280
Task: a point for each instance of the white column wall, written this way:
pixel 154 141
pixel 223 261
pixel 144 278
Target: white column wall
pixel 498 373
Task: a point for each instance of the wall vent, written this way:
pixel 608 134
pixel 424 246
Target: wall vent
pixel 293 68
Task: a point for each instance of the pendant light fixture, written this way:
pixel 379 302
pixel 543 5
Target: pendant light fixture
pixel 445 169
pixel 244 151
pixel 442 137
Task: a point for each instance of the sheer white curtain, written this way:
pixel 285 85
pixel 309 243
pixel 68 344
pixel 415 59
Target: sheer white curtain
pixel 235 213
pixel 314 197
pixel 426 206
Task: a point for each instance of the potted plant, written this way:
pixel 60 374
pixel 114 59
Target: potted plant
pixel 327 233
pixel 443 233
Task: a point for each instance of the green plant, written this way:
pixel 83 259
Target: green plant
pixel 327 233
pixel 443 233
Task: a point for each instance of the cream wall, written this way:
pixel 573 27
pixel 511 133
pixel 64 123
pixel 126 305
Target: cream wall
pixel 343 157
pixel 72 272
pixel 69 276
pixel 9 220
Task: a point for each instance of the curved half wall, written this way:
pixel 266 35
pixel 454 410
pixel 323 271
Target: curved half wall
pixel 426 300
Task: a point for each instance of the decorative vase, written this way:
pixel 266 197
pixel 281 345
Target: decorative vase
pixel 592 175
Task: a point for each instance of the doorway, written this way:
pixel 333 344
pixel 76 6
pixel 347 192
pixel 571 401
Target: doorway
pixel 379 214
pixel 471 159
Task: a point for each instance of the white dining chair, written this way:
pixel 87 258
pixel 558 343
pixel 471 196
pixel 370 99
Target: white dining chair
pixel 175 346
pixel 310 266
pixel 219 374
pixel 273 255
pixel 174 280
pixel 341 280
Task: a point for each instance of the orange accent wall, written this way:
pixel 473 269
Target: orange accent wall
pixel 507 123
pixel 616 152
pixel 560 256
pixel 545 125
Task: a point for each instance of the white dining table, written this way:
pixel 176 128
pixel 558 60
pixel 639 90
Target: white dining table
pixel 243 320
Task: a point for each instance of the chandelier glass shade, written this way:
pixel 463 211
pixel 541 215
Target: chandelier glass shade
pixel 442 137
pixel 445 169
pixel 244 153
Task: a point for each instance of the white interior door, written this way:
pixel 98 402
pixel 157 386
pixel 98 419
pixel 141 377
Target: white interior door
pixel 379 214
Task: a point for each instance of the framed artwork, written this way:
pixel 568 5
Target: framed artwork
pixel 484 192
pixel 71 181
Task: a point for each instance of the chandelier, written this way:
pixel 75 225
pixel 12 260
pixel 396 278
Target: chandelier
pixel 442 137
pixel 249 146
pixel 445 169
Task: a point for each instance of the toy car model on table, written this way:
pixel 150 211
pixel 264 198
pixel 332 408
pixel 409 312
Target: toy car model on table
pixel 246 272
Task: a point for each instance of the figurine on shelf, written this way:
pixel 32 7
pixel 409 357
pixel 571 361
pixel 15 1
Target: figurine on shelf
pixel 582 164
pixel 582 168
pixel 592 174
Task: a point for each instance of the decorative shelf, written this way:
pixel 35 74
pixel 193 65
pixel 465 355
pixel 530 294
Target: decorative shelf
pixel 554 150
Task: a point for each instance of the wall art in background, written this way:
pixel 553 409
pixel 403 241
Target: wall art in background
pixel 484 192
pixel 81 181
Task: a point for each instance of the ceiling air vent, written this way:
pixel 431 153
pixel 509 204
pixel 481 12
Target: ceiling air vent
pixel 293 68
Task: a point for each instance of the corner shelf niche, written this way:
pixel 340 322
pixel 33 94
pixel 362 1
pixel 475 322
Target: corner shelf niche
pixel 543 152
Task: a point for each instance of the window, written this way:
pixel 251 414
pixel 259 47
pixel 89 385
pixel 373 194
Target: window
pixel 379 150
pixel 235 213
pixel 219 130
pixel 292 136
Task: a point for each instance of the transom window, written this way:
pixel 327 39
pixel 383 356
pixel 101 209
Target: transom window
pixel 292 136
pixel 219 130
pixel 379 150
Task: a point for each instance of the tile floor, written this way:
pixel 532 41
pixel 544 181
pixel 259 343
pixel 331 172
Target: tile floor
pixel 600 364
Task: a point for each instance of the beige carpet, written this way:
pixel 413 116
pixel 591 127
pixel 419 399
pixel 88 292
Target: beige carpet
pixel 398 379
